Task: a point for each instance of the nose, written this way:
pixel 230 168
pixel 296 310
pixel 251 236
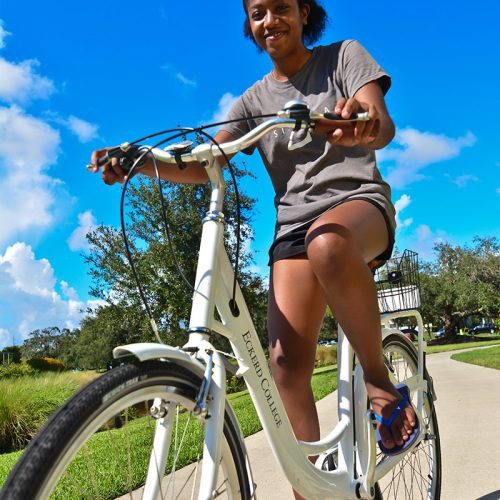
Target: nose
pixel 270 19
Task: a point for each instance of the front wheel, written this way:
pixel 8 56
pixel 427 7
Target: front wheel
pixel 418 475
pixel 100 443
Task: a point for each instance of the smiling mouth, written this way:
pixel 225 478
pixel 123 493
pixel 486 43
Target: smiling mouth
pixel 274 36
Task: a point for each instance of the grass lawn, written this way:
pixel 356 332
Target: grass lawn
pixel 432 349
pixel 489 358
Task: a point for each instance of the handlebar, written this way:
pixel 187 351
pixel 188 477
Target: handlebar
pixel 295 114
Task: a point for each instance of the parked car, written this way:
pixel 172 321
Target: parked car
pixel 409 333
pixel 327 342
pixel 439 333
pixel 484 328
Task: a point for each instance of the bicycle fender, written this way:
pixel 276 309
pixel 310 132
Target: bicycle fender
pixel 145 351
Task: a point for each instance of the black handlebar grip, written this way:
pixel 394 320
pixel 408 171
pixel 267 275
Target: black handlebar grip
pixel 354 117
pixel 103 160
pixel 333 116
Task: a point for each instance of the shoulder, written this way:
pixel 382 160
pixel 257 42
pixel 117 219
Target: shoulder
pixel 336 48
pixel 351 48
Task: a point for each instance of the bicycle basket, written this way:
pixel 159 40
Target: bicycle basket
pixel 398 285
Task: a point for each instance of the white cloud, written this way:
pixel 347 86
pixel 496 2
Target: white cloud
pixel 28 146
pixel 464 180
pixel 5 337
pixel 425 239
pixel 417 151
pixel 178 75
pixel 86 223
pixel 225 104
pixel 35 277
pixel 68 291
pixel 185 80
pixel 21 83
pixel 85 131
pixel 28 291
pixel 400 205
pixel 3 35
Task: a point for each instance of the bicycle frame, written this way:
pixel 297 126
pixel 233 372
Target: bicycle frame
pixel 357 471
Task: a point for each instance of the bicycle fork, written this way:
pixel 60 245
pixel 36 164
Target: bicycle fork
pixel 210 405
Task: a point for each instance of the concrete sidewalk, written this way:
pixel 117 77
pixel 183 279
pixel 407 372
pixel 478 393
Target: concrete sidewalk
pixel 468 409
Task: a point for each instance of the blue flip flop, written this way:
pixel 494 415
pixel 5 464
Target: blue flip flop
pixel 405 401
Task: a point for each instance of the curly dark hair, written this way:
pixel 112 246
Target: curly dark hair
pixel 316 22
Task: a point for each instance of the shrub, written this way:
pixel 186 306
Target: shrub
pixel 46 364
pixel 16 371
pixel 27 402
pixel 326 355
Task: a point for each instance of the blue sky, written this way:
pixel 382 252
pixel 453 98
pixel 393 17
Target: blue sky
pixel 75 76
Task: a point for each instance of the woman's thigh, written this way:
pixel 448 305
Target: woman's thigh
pixel 295 313
pixel 354 226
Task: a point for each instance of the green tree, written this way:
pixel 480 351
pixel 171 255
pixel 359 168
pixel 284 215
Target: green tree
pixel 167 293
pixel 463 282
pixel 68 350
pixel 52 342
pixel 42 343
pixel 106 328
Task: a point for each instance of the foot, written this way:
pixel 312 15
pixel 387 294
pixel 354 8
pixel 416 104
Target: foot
pixel 384 400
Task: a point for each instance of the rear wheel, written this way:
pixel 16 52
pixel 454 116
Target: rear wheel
pixel 418 475
pixel 99 444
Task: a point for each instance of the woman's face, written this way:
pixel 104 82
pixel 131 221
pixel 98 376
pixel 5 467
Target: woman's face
pixel 277 25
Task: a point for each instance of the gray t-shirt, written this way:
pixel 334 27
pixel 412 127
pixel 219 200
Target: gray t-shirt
pixel 309 174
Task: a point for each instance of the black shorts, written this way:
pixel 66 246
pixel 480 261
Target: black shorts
pixel 293 243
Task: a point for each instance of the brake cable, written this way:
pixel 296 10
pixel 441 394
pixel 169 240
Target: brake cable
pixel 136 166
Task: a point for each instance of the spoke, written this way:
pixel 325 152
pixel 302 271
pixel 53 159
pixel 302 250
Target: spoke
pixel 196 475
pixel 218 491
pixel 186 481
pixel 177 447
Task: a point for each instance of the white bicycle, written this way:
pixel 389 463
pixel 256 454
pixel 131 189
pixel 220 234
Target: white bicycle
pixel 163 419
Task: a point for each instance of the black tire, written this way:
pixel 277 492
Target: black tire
pixel 418 475
pixel 110 415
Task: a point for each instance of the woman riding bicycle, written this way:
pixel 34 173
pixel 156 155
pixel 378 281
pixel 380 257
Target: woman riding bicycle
pixel 335 220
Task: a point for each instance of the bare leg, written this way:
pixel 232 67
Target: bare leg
pixel 296 309
pixel 334 272
pixel 339 245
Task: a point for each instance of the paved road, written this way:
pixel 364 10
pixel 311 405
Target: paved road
pixel 468 409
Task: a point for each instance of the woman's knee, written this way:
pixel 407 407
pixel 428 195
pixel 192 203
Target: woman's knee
pixel 329 246
pixel 291 369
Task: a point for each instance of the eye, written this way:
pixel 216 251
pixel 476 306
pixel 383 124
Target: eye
pixel 257 15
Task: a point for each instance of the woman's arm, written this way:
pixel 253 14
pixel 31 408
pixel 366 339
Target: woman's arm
pixel 373 134
pixel 194 173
